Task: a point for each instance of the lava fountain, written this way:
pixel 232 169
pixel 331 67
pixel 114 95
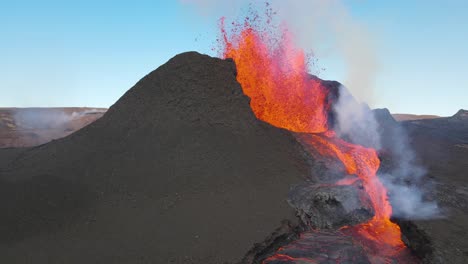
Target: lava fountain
pixel 273 72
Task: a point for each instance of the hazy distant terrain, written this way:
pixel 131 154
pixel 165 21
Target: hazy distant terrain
pixel 27 127
pixel 408 117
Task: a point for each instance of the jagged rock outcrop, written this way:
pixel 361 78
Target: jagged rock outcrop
pixel 383 117
pixel 461 115
pixel 329 206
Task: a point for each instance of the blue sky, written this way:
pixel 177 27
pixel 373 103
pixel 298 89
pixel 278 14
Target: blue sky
pixel 88 53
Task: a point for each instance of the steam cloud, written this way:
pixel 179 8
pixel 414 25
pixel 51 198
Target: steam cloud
pixel 33 118
pixel 404 179
pixel 323 26
pixel 356 121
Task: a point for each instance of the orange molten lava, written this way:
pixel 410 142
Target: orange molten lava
pixel 275 79
pixel 364 163
pixel 274 75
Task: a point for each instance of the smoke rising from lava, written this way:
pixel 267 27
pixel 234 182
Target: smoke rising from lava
pixel 405 179
pixel 325 27
pixel 356 121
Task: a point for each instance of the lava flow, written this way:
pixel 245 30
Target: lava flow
pixel 273 73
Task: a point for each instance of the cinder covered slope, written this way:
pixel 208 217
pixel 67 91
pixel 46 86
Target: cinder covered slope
pixel 179 170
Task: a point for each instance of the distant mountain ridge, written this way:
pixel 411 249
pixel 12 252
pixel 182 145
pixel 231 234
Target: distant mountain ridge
pixel 461 114
pixel 407 117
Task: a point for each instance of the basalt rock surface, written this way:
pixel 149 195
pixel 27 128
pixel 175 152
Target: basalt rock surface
pixel 321 247
pixel 327 206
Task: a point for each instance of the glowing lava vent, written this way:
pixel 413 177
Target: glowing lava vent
pixel 273 73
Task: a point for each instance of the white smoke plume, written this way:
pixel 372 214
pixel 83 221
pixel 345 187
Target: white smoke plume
pixel 46 118
pixel 40 118
pixel 325 27
pixel 355 121
pixel 404 179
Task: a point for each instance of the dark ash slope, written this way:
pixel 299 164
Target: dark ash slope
pixel 179 170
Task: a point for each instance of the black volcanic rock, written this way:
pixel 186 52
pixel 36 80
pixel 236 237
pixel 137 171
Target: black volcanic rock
pixel 383 117
pixel 322 247
pixel 461 115
pixel 179 170
pixel 387 127
pixel 328 206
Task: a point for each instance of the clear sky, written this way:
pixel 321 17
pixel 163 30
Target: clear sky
pixel 88 53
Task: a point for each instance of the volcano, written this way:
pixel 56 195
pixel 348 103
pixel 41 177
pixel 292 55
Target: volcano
pixel 178 170
pixel 181 170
